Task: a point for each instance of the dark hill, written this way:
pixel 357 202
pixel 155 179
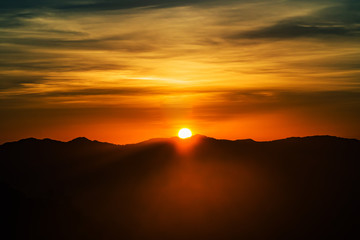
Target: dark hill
pixel 199 188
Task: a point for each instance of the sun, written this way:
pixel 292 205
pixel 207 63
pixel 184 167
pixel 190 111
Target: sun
pixel 184 133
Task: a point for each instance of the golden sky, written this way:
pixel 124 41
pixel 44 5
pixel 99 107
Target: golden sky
pixel 125 71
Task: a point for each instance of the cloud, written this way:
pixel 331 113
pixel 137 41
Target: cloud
pixel 326 106
pixel 114 91
pixel 87 43
pixel 98 5
pixel 35 94
pixel 59 46
pixel 13 81
pixel 341 20
pixel 286 30
pixel 220 101
pixel 15 19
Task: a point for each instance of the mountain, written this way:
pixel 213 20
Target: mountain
pixel 197 188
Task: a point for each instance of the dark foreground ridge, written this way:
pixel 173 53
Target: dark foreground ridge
pixel 198 188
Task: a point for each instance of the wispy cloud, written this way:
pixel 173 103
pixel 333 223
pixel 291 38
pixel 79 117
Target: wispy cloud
pixel 222 59
pixel 340 21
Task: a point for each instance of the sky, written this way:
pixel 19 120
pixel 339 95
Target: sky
pixel 124 71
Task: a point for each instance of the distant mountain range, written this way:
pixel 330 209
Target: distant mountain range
pixel 172 189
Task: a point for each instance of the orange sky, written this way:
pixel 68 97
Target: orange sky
pixel 126 71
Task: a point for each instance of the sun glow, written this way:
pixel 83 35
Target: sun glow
pixel 184 133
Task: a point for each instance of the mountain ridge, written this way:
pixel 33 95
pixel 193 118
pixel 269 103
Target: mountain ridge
pixel 168 188
pixel 174 138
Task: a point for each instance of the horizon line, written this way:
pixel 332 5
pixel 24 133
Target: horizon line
pixel 177 138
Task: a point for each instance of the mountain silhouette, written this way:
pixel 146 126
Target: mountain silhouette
pixel 169 188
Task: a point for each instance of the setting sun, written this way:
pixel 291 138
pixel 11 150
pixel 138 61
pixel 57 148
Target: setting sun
pixel 184 133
